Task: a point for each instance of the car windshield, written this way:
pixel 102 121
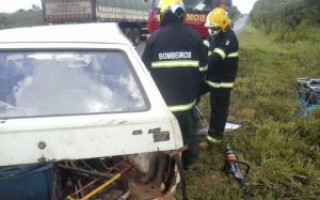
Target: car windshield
pixel 194 5
pixel 64 83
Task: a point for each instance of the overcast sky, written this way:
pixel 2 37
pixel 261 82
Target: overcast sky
pixel 244 6
pixel 14 5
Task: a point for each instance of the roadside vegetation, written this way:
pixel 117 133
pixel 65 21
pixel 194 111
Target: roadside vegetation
pixel 281 44
pixel 293 20
pixel 22 18
pixel 282 148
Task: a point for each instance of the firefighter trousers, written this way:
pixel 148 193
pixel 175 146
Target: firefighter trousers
pixel 219 104
pixel 187 124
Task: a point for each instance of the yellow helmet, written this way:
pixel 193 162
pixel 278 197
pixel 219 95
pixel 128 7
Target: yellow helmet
pixel 218 17
pixel 171 6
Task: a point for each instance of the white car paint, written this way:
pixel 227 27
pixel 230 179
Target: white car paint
pixel 53 138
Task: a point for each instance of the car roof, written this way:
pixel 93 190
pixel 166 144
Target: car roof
pixel 78 33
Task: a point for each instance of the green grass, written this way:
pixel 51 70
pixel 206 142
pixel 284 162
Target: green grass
pixel 282 148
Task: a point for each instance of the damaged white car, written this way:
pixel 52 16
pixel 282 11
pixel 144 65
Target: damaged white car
pixel 81 118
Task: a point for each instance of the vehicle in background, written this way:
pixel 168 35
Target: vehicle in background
pixel 81 118
pixel 131 16
pixel 197 11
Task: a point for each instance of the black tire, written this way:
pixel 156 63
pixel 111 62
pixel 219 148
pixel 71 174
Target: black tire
pixel 128 33
pixel 136 36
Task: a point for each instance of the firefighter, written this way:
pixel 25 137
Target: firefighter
pixel 174 55
pixel 223 65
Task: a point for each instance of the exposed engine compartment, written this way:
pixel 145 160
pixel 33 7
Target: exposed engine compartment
pixel 133 177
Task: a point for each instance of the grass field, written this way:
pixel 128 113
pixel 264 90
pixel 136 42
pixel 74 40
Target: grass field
pixel 282 148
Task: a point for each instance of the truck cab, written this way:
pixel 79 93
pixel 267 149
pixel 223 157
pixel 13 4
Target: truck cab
pixel 196 15
pixel 81 118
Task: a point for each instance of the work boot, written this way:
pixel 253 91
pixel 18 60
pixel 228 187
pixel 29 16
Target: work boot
pixel 214 137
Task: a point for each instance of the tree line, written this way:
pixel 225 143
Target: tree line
pixel 285 15
pixel 22 18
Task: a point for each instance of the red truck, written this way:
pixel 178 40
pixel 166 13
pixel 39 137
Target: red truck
pixel 197 11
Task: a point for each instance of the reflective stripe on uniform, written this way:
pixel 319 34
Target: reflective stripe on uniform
pixel 206 43
pixel 233 55
pixel 204 68
pixel 175 63
pixel 220 85
pixel 223 55
pixel 220 52
pixel 212 140
pixel 180 108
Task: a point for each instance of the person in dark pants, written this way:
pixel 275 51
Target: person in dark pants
pixel 223 56
pixel 175 55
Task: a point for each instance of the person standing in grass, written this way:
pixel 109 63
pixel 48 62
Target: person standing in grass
pixel 223 56
pixel 174 56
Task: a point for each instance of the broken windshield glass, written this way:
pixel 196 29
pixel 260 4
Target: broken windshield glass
pixel 63 83
pixel 7 110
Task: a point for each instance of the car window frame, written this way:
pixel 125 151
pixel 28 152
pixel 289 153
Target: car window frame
pixel 73 49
